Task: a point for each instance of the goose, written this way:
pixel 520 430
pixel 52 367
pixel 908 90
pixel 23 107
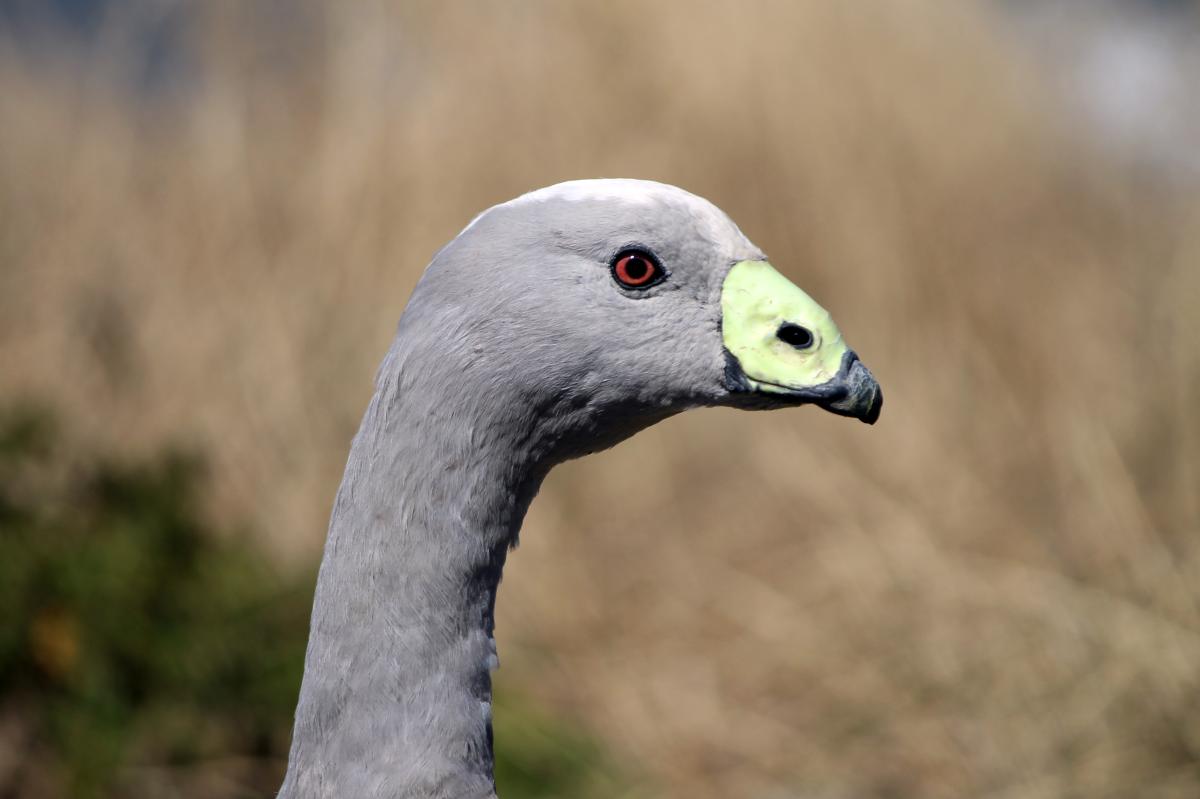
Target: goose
pixel 553 326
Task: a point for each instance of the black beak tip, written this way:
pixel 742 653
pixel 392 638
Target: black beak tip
pixel 871 415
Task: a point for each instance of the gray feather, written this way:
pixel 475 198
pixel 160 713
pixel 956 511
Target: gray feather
pixel 516 352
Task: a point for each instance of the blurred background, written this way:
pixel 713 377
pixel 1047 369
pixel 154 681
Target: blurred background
pixel 211 215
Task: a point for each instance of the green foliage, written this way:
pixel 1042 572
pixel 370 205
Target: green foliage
pixel 539 757
pixel 132 632
pixel 144 651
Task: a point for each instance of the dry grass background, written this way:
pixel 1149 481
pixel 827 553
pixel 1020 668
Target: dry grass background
pixel 992 593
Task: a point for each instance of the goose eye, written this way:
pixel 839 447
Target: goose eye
pixel 636 269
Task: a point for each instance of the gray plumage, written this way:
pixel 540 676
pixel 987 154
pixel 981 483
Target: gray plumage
pixel 517 351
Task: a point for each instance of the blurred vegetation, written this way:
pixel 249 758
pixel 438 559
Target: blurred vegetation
pixel 145 652
pixel 136 638
pixel 540 756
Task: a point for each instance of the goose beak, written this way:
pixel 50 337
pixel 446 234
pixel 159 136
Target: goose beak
pixel 782 348
pixel 853 392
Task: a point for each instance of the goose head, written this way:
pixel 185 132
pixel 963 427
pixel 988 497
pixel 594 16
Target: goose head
pixel 593 308
pixel 554 325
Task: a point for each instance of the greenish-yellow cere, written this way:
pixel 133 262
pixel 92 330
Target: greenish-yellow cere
pixel 755 301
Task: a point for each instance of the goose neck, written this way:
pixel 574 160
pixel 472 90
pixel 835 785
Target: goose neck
pixel 396 695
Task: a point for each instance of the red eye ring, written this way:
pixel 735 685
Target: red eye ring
pixel 636 269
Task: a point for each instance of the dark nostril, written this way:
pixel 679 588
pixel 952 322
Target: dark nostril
pixel 799 337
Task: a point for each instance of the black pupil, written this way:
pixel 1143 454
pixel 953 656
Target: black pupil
pixel 796 336
pixel 637 268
